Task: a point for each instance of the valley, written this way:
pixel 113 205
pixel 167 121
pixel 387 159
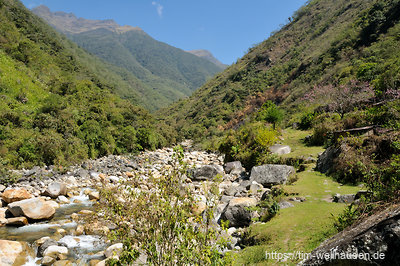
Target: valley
pixel 119 149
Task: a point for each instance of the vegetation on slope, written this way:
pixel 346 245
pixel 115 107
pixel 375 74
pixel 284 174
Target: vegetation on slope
pixel 326 43
pixel 53 109
pixel 165 73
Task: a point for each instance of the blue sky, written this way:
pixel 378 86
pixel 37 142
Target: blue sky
pixel 227 28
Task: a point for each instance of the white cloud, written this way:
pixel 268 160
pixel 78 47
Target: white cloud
pixel 159 8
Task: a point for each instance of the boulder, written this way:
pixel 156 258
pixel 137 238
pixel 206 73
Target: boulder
pixel 376 238
pixel 16 194
pixel 14 253
pixel 35 209
pixel 280 149
pixel 55 189
pixel 234 168
pixel 271 174
pixel 237 212
pixel 206 172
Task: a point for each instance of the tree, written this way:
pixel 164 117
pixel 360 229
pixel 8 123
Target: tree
pixel 341 99
pixel 271 113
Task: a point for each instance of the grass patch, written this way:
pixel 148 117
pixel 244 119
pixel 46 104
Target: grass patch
pixel 295 139
pixel 303 227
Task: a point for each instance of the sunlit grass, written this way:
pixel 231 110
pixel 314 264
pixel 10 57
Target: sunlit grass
pixel 304 226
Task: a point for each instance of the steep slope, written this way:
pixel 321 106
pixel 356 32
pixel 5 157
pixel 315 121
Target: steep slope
pixel 326 42
pixel 167 73
pixel 209 56
pixel 53 108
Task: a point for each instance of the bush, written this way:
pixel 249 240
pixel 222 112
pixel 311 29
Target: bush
pixel 162 224
pixel 248 144
pixel 306 121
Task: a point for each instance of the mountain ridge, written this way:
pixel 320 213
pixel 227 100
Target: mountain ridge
pixel 166 73
pixel 69 23
pixel 209 56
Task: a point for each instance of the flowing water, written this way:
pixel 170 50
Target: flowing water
pixel 81 248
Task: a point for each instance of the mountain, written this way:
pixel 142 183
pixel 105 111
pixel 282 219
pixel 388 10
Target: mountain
pixel 209 56
pixel 54 109
pixel 69 23
pixel 325 43
pixel 166 73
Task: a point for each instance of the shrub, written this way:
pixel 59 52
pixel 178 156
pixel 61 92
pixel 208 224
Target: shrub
pixel 161 224
pixel 248 144
pixel 306 121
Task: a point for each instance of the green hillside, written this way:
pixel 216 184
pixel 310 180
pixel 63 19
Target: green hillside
pixel 325 43
pixel 53 109
pixel 165 73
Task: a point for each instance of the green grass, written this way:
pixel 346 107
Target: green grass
pixel 295 139
pixel 304 226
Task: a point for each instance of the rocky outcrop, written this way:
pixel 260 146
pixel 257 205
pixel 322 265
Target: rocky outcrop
pixel 326 159
pixel 14 253
pixel 271 174
pixel 375 240
pixel 34 209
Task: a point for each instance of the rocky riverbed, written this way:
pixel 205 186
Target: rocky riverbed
pixel 43 214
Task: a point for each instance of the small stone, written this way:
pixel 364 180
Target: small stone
pixel 17 221
pixel 114 251
pixel 85 212
pixel 63 200
pixel 94 195
pixel 45 243
pixel 74 216
pixel 47 261
pixel 129 174
pixel 61 231
pixel 56 252
pixel 62 262
pixel 80 229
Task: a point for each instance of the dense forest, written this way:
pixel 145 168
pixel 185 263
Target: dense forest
pixel 54 109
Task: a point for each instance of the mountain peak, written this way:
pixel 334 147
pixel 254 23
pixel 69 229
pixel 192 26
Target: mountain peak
pixel 70 23
pixel 207 55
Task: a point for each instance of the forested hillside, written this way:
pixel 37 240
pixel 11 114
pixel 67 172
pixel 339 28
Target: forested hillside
pixel 165 73
pixel 54 109
pixel 326 43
